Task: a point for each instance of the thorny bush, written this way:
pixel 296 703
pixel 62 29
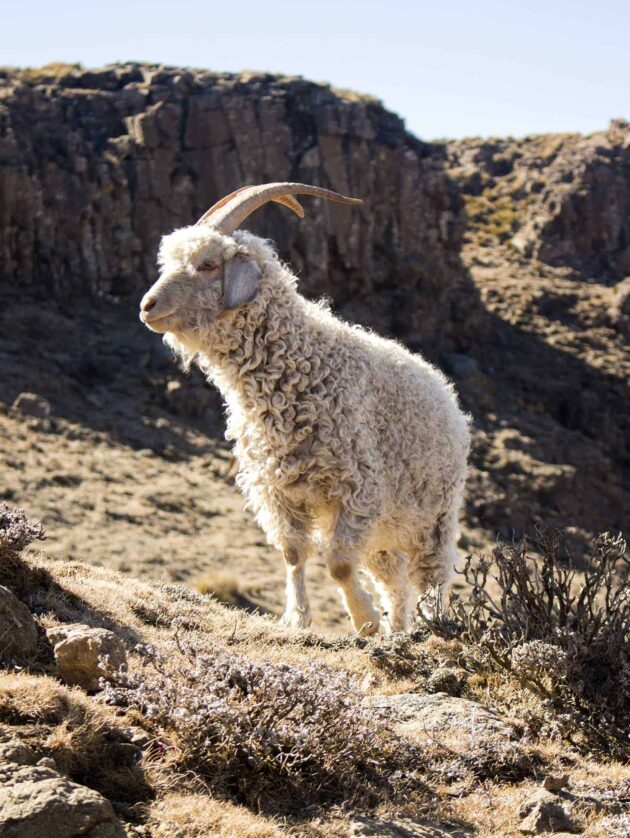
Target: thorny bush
pixel 17 531
pixel 562 633
pixel 272 736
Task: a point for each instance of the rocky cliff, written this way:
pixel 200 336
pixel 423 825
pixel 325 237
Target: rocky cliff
pixel 96 165
pixel 563 199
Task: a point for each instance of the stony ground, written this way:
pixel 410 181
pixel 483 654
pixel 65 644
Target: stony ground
pixel 458 752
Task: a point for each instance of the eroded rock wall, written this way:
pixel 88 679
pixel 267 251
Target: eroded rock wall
pixel 96 165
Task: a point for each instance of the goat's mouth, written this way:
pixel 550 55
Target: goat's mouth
pixel 159 323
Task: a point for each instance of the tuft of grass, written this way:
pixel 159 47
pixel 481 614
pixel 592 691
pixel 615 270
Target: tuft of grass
pixel 224 585
pixel 53 71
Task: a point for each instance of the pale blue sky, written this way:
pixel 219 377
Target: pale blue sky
pixel 450 69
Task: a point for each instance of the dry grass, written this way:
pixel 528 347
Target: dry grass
pixel 194 815
pixel 53 71
pixel 86 740
pixel 223 585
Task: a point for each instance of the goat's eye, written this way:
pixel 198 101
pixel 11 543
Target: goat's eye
pixel 208 266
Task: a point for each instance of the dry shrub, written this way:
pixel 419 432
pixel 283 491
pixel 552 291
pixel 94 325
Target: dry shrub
pixel 274 736
pixel 17 532
pixel 86 741
pixel 562 634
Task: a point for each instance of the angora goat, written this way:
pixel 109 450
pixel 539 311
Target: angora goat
pixel 342 437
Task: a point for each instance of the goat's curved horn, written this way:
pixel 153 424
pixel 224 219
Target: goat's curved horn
pixel 230 212
pixel 204 218
pixel 285 200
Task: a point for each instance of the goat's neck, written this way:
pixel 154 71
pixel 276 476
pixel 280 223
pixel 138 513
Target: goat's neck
pixel 251 366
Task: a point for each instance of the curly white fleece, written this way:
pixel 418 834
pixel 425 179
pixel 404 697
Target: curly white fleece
pixel 339 434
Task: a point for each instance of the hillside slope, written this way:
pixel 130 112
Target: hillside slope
pixel 131 471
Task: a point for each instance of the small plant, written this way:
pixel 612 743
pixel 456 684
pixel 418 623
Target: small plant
pixel 17 532
pixel 563 634
pixel 269 734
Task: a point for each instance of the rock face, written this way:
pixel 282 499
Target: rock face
pixel 38 802
pixel 582 217
pixel 84 655
pixel 18 630
pixel 96 165
pixel 563 199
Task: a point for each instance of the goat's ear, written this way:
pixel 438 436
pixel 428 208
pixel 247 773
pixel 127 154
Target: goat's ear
pixel 240 282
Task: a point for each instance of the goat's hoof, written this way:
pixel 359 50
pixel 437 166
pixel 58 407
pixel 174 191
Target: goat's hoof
pixel 369 628
pixel 296 619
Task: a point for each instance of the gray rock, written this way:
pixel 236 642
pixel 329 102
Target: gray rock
pixel 32 405
pixel 446 680
pixel 543 812
pixel 403 828
pixel 18 753
pixel 84 654
pixel 18 629
pixel 465 727
pixel 556 782
pixel 38 802
pixel 445 713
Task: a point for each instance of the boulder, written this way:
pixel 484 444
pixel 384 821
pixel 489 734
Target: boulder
pixel 18 629
pixel 84 654
pixel 543 812
pixel 556 782
pixel 403 828
pixel 447 679
pixel 418 715
pixel 38 802
pixel 31 405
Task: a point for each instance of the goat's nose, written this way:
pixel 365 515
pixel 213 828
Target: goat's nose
pixel 148 303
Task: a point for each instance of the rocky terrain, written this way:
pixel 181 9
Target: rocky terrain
pixel 504 261
pixel 131 708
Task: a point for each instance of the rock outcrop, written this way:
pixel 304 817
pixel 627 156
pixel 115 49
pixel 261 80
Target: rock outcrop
pixel 84 654
pixel 96 165
pixel 39 802
pixel 18 629
pixel 562 199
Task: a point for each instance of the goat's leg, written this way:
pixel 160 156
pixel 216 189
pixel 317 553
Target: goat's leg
pixel 297 612
pixel 342 561
pixel 294 544
pixel 391 575
pixel 433 561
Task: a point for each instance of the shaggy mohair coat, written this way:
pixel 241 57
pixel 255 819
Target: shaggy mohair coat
pixel 343 439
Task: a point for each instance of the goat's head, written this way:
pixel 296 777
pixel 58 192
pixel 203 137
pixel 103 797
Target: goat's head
pixel 203 268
